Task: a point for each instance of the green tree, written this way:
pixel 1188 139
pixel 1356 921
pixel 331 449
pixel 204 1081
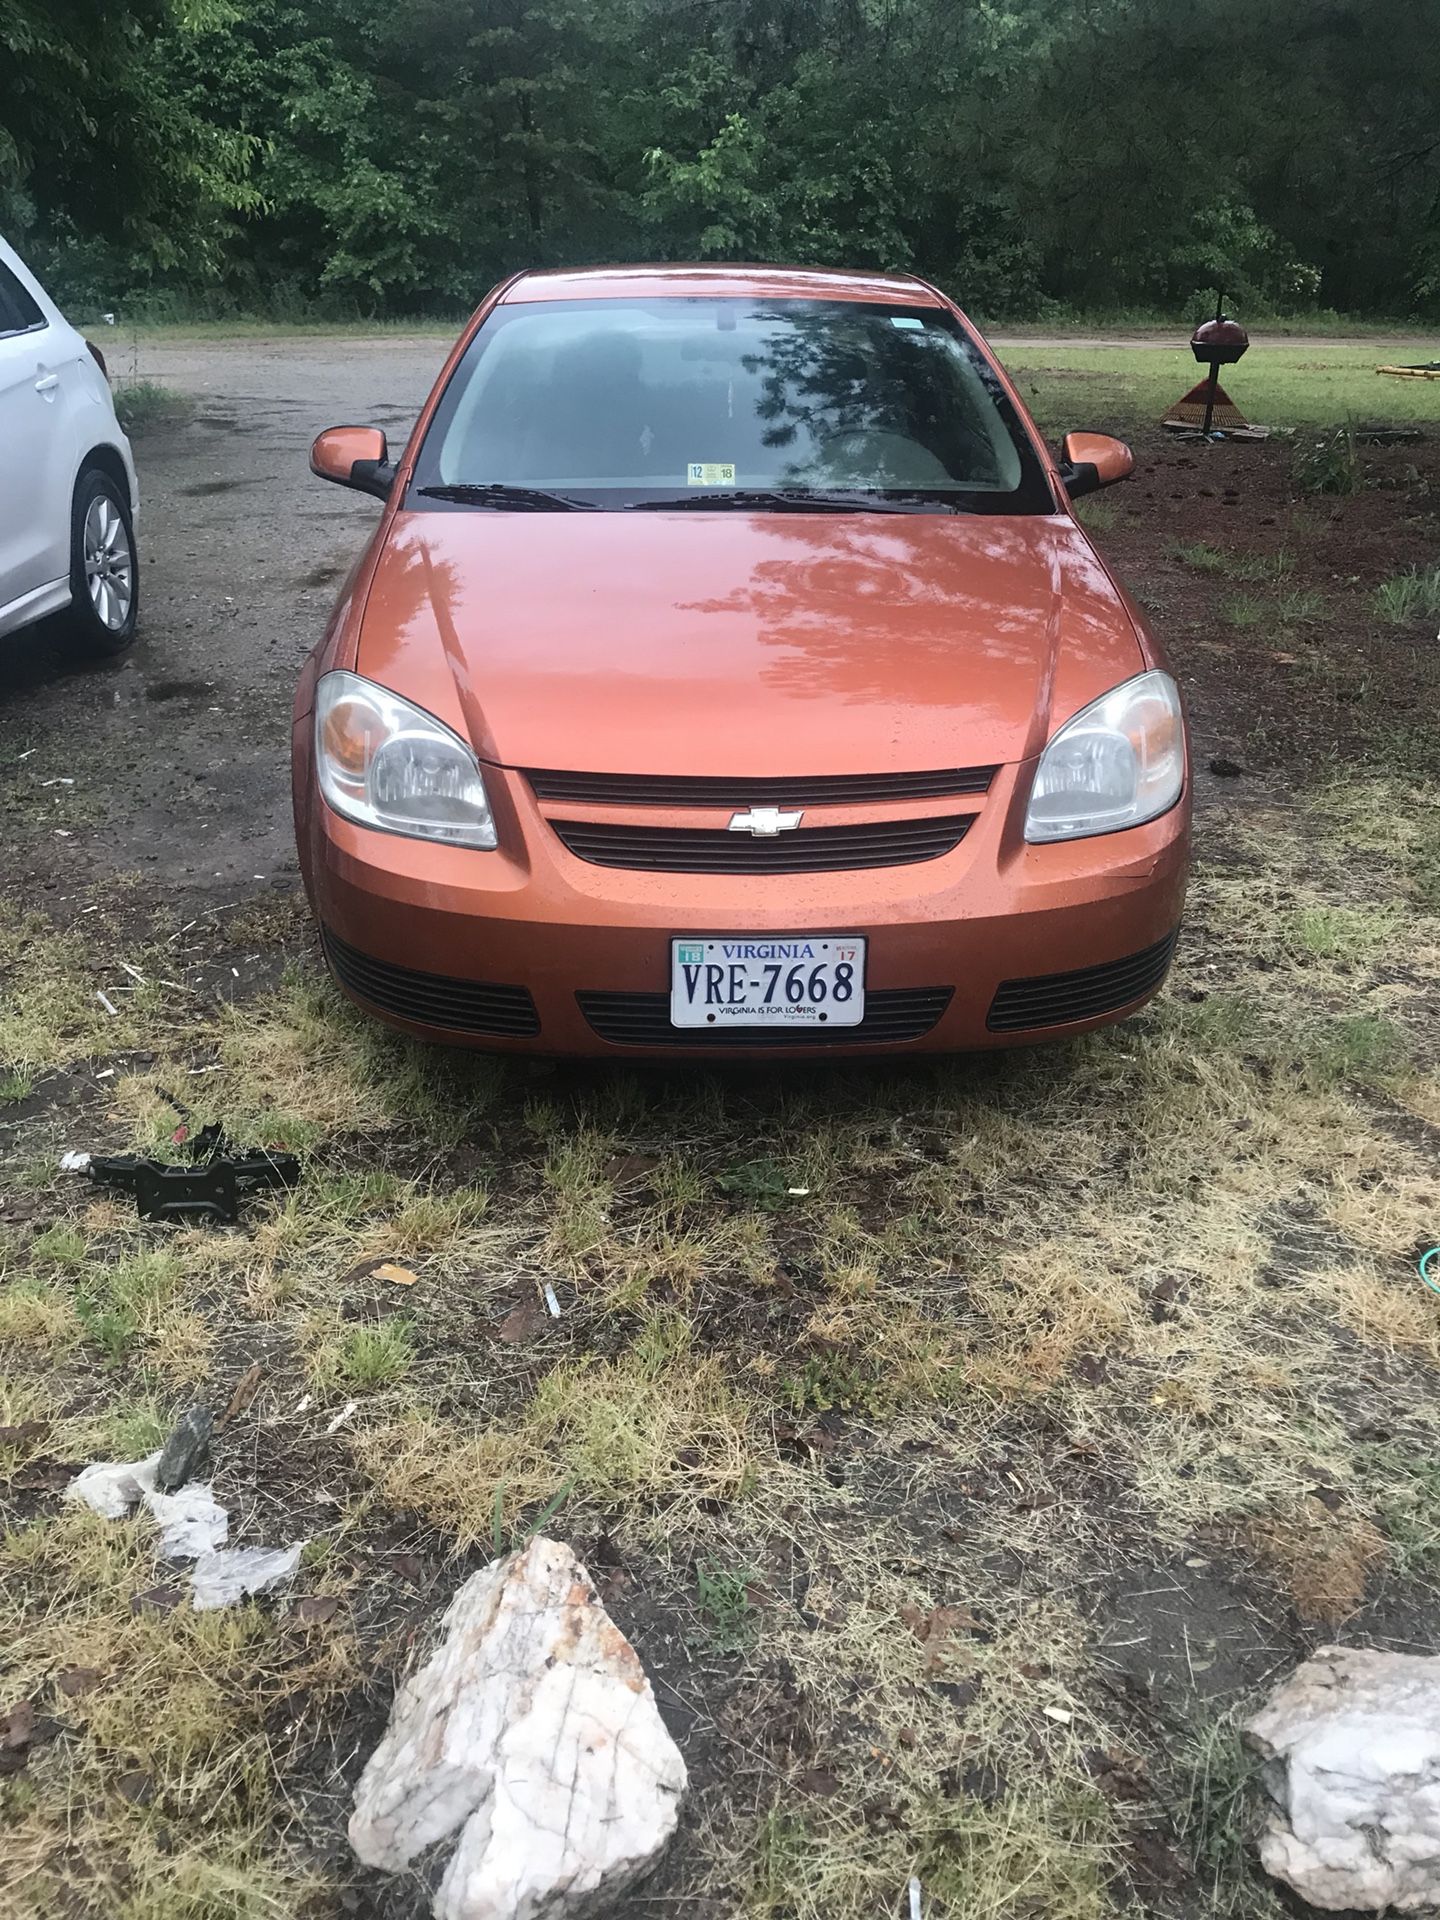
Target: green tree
pixel 99 160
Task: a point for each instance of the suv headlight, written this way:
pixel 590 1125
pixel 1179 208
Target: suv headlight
pixel 1118 762
pixel 391 765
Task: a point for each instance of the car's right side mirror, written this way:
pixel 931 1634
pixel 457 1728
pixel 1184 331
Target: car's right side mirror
pixel 1089 461
pixel 354 457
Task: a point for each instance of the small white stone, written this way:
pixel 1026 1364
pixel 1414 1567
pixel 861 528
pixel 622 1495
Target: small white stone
pixel 1351 1743
pixel 533 1734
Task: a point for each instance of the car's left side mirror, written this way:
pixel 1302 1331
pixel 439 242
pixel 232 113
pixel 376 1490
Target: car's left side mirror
pixel 354 457
pixel 1089 461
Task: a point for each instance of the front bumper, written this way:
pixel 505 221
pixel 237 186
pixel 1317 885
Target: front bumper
pixel 532 949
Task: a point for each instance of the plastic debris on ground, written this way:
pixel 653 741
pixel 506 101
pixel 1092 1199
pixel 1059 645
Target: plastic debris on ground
pixel 193 1525
pixel 191 1520
pixel 220 1579
pixel 112 1487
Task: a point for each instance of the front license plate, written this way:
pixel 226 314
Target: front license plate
pixel 768 980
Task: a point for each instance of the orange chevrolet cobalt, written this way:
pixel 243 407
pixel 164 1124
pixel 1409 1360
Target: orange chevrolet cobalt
pixel 728 674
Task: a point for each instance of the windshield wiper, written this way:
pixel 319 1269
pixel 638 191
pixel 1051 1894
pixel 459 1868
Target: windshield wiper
pixel 495 493
pixel 789 500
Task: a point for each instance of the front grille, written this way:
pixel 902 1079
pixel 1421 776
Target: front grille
pixel 643 1020
pixel 432 999
pixel 803 790
pixel 1054 999
pixel 876 843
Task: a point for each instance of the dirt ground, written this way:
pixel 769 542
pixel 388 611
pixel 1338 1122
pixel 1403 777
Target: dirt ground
pixel 178 751
pixel 964 1447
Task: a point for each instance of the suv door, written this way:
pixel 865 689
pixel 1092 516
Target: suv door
pixel 36 456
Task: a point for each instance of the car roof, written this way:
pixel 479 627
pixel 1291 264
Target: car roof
pixel 720 282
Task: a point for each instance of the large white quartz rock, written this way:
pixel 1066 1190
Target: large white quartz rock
pixel 532 1734
pixel 1351 1743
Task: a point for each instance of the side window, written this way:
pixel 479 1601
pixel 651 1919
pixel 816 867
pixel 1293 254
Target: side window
pixel 18 309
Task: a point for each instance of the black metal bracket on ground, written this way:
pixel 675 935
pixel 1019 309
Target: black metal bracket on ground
pixel 210 1190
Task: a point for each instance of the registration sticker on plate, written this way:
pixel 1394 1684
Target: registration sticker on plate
pixel 768 980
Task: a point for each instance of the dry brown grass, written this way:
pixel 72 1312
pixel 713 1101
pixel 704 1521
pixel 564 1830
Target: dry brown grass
pixel 924 1350
pixel 160 1795
pixel 660 1429
pixel 1321 1557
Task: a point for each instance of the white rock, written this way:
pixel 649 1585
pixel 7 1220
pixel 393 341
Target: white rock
pixel 1351 1743
pixel 220 1579
pixel 532 1733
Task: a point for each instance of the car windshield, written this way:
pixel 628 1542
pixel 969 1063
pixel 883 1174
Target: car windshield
pixel 714 402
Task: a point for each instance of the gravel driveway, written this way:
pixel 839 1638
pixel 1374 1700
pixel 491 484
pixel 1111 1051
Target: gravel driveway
pixel 179 753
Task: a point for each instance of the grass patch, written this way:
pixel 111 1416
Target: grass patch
pixel 1244 610
pixel 1302 606
pixel 764 1184
pixel 659 1427
pixel 1348 934
pixel 1121 387
pixel 1365 1047
pixel 1409 597
pixel 871 1391
pixel 723 1596
pixel 1297 607
pixel 1329 464
pixel 1217 1816
pixel 1096 514
pixel 185 1712
pixel 143 405
pixel 1233 565
pixel 1409 1506
pixel 372 1356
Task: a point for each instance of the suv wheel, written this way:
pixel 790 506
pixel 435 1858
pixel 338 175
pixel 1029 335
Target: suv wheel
pixel 104 575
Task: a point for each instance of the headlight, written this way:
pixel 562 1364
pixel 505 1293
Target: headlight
pixel 390 765
pixel 1120 761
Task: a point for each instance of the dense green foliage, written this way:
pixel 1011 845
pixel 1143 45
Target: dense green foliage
pixel 400 155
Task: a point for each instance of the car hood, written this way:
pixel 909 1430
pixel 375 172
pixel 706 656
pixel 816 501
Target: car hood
pixel 745 644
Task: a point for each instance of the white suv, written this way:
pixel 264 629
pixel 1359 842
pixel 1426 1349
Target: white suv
pixel 68 497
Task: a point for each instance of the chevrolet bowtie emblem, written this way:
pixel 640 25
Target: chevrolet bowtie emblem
pixel 765 820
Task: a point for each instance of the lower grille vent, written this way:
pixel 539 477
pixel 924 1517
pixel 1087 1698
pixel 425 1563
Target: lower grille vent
pixel 1055 999
pixel 432 999
pixel 643 1020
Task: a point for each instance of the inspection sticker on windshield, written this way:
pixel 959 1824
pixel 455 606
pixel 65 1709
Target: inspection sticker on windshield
pixel 702 473
pixel 768 980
